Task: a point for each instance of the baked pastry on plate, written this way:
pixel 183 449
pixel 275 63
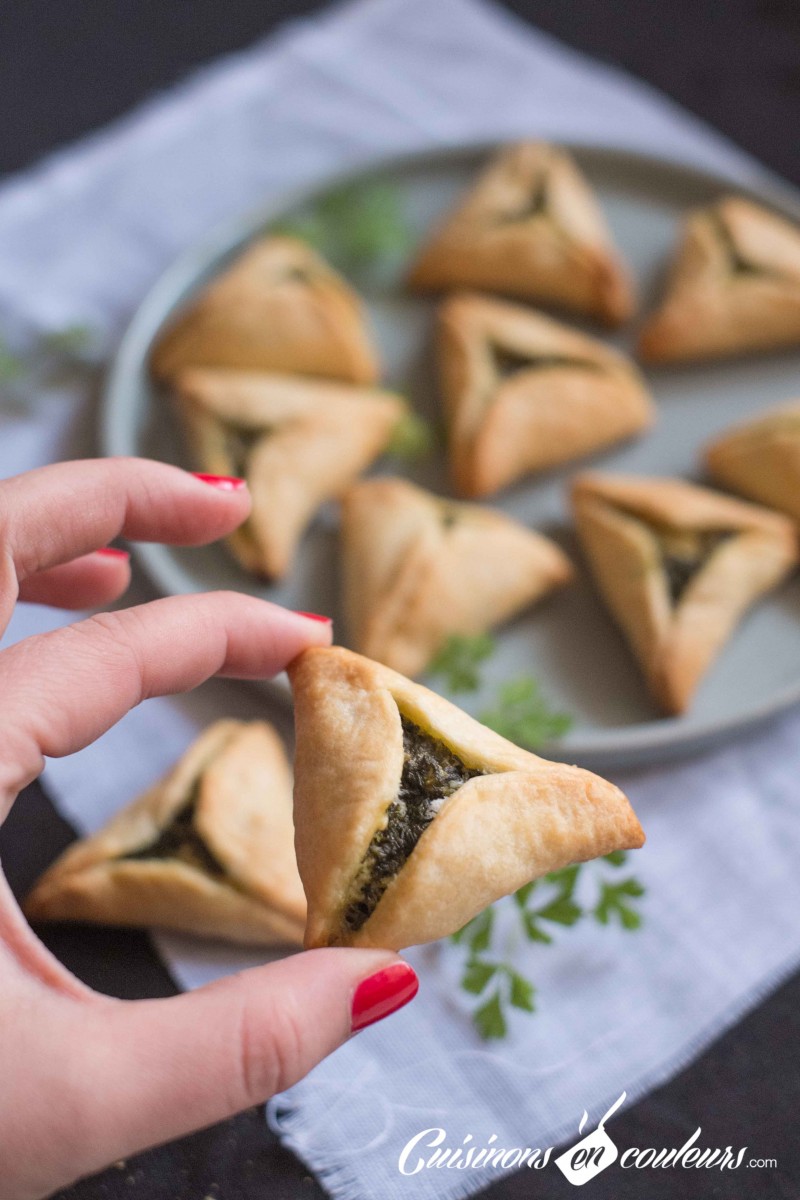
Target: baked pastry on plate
pixel 761 459
pixel 297 442
pixel 678 565
pixel 411 817
pixel 418 568
pixel 209 850
pixel 524 393
pixel 279 307
pixel 734 286
pixel 530 228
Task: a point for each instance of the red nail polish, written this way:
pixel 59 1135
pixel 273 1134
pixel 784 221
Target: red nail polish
pixel 382 994
pixel 223 483
pixel 112 552
pixel 315 617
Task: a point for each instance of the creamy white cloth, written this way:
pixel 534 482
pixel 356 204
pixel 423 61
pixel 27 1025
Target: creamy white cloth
pixel 81 238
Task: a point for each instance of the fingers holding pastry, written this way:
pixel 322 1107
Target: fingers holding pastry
pixel 61 690
pixel 60 513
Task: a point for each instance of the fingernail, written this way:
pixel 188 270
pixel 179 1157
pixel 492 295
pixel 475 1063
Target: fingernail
pixel 223 483
pixel 315 617
pixel 112 552
pixel 382 994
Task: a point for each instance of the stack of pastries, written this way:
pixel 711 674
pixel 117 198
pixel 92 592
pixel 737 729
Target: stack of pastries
pixel 274 376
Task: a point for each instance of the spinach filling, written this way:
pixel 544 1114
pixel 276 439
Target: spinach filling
pixel 737 263
pixel 536 205
pixel 180 840
pixel 431 772
pixel 684 553
pixel 510 362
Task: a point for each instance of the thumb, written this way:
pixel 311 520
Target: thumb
pixel 161 1068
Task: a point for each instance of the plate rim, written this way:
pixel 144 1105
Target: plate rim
pixel 642 744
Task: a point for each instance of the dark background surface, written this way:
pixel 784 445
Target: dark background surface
pixel 67 68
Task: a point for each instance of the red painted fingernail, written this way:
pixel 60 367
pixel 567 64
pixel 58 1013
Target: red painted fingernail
pixel 382 994
pixel 315 617
pixel 112 552
pixel 223 483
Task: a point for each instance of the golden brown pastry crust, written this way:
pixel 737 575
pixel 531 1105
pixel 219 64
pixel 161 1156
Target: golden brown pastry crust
pixel 418 569
pixel 761 459
pixel 734 286
pixel 523 818
pixel 319 438
pixel 501 428
pixel 530 228
pixel 242 813
pixel 622 521
pixel 279 307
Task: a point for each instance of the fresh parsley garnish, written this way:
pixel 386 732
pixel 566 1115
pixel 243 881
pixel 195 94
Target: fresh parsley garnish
pixel 356 226
pixel 412 438
pixel 46 361
pixel 11 365
pixel 543 907
pixel 71 342
pixel 459 659
pixel 522 714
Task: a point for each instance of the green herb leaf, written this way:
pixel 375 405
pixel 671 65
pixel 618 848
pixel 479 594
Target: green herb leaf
pixel 72 341
pixel 532 930
pixel 480 934
pixel 477 975
pixel 522 894
pixel 617 858
pixel 521 992
pixel 489 1018
pixel 412 438
pixel 562 911
pixel 458 661
pixel 612 903
pixel 11 366
pixel 523 716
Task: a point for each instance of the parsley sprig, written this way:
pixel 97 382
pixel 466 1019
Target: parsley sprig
pixel 358 226
pixel 543 907
pixel 51 358
pixel 459 660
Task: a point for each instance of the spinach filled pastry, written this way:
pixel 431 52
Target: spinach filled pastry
pixel 734 286
pixel 761 459
pixel 418 568
pixel 411 817
pixel 297 442
pixel 524 393
pixel 530 228
pixel 208 850
pixel 279 307
pixel 678 566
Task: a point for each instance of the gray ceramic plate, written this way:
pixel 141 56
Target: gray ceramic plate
pixel 568 642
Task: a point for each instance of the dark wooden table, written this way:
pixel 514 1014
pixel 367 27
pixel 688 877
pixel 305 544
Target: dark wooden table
pixel 68 68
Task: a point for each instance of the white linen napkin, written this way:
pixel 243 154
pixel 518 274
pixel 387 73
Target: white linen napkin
pixel 81 238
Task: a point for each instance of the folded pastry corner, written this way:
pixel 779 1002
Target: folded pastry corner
pixel 209 850
pixel 530 228
pixel 417 568
pixel 524 393
pixel 411 817
pixel 678 566
pixel 761 459
pixel 734 286
pixel 279 307
pixel 297 442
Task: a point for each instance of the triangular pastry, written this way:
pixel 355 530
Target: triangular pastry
pixel 761 459
pixel 678 565
pixel 411 817
pixel 279 307
pixel 734 286
pixel 418 568
pixel 297 442
pixel 524 393
pixel 209 850
pixel 530 228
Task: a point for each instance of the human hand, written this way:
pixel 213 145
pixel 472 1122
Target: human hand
pixel 87 1079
